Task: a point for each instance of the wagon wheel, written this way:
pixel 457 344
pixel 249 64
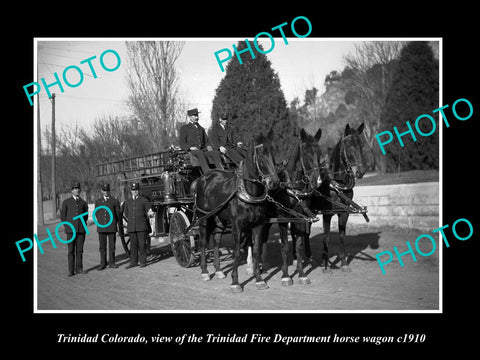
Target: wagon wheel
pixel 124 237
pixel 181 243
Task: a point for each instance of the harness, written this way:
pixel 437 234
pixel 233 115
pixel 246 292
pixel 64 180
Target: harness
pixel 349 177
pixel 242 194
pixel 239 189
pixel 348 205
pixel 292 186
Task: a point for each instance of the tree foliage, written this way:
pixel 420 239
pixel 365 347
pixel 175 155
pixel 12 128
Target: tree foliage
pixel 413 92
pixel 383 84
pixel 251 95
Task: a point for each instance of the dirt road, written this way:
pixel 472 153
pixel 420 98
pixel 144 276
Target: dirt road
pixel 164 285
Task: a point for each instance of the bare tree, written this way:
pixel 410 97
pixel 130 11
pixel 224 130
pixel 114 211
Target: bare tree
pixel 74 163
pixel 153 81
pixel 370 69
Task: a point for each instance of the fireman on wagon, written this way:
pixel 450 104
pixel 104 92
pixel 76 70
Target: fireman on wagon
pixel 223 140
pixel 193 138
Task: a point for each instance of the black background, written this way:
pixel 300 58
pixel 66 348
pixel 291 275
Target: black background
pixel 456 327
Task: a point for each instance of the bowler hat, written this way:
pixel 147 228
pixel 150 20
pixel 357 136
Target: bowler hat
pixel 223 116
pixel 135 186
pixel 106 187
pixel 192 112
pixel 76 185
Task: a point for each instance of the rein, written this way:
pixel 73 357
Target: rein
pixel 348 205
pixel 239 190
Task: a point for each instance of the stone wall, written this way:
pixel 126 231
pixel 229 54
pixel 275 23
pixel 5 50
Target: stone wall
pixel 403 205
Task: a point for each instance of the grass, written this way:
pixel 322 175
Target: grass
pixel 407 177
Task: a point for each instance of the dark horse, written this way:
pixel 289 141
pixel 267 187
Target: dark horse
pixel 347 162
pixel 299 177
pixel 237 199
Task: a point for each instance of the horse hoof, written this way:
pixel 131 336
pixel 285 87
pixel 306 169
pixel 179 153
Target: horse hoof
pixel 345 269
pixel 236 289
pixel 313 262
pixel 205 276
pixel 287 281
pixel 261 285
pixel 304 281
pixel 220 274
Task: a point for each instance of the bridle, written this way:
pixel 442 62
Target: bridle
pixel 347 163
pixel 306 180
pixel 349 178
pixel 264 179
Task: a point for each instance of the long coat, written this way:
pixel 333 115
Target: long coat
pixel 192 135
pixel 136 213
pixel 220 136
pixel 72 208
pixel 103 217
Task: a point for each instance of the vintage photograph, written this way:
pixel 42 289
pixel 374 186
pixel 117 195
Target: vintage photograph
pixel 185 175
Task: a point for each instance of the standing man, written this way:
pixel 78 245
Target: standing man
pixel 137 210
pixel 222 139
pixel 103 218
pixel 193 138
pixel 71 208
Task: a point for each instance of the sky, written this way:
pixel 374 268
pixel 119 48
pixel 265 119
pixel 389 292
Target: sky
pixel 300 64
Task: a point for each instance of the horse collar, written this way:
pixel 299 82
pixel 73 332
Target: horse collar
pixel 242 193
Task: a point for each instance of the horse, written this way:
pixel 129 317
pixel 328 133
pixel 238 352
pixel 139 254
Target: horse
pixel 346 162
pixel 298 179
pixel 237 199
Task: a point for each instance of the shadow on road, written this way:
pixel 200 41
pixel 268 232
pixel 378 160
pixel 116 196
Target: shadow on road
pixel 355 245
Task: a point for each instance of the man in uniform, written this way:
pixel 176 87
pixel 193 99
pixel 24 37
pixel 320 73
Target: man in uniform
pixel 137 210
pixel 222 139
pixel 103 218
pixel 71 208
pixel 193 138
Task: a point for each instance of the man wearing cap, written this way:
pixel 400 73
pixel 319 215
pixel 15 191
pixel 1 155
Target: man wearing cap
pixel 137 210
pixel 193 138
pixel 222 139
pixel 103 217
pixel 71 208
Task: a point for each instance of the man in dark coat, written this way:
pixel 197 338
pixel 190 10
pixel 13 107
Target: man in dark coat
pixel 222 139
pixel 71 208
pixel 137 210
pixel 193 138
pixel 109 232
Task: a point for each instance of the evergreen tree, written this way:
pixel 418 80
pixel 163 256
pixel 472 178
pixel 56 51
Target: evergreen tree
pixel 251 95
pixel 414 91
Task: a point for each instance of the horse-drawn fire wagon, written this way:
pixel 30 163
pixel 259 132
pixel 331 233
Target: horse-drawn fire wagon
pixel 165 178
pixel 188 208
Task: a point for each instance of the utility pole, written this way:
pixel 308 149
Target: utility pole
pixel 39 173
pixel 54 190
